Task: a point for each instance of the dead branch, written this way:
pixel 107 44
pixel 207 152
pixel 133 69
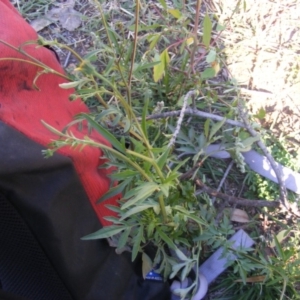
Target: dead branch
pixel 236 200
pixel 196 113
pixel 182 112
pixel 282 188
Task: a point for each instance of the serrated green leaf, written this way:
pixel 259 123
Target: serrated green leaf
pixel 146 66
pixel 159 69
pixel 135 210
pixel 175 13
pixel 161 161
pixel 201 141
pixel 141 193
pixel 124 238
pixel 114 220
pixel 208 73
pixel 106 112
pixel 187 150
pixel 165 189
pixel 137 243
pixel 181 135
pixel 166 239
pixel 115 190
pixel 123 175
pixel 178 166
pixel 132 192
pixel 109 67
pixel 189 215
pixel 215 127
pixel 104 233
pixel 114 208
pixel 106 134
pixel 207 28
pixel 92 56
pixel 138 146
pixel 113 36
pixel 150 229
pixel 153 41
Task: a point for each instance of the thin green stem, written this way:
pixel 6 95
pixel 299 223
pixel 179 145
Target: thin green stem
pixel 98 4
pixel 195 34
pixel 137 13
pixel 163 208
pixel 40 65
pixel 150 160
pixel 98 145
pixel 41 42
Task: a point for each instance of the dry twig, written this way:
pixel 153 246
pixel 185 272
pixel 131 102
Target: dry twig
pixel 282 188
pixel 196 113
pixel 236 200
pixel 181 115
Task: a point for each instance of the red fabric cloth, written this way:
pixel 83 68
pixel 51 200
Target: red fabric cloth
pixel 23 107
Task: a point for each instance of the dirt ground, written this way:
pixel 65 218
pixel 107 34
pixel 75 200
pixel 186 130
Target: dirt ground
pixel 262 45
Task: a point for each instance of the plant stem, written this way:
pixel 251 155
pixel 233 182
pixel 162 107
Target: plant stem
pixel 198 7
pixel 40 65
pixel 136 29
pixel 150 160
pixel 163 208
pixel 98 145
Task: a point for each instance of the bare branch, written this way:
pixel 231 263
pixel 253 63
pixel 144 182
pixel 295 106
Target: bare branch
pixel 236 200
pixel 181 115
pixel 282 188
pixel 223 179
pixel 195 113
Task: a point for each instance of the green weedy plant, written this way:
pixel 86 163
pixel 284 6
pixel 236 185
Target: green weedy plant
pixel 262 276
pixel 166 63
pixel 157 207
